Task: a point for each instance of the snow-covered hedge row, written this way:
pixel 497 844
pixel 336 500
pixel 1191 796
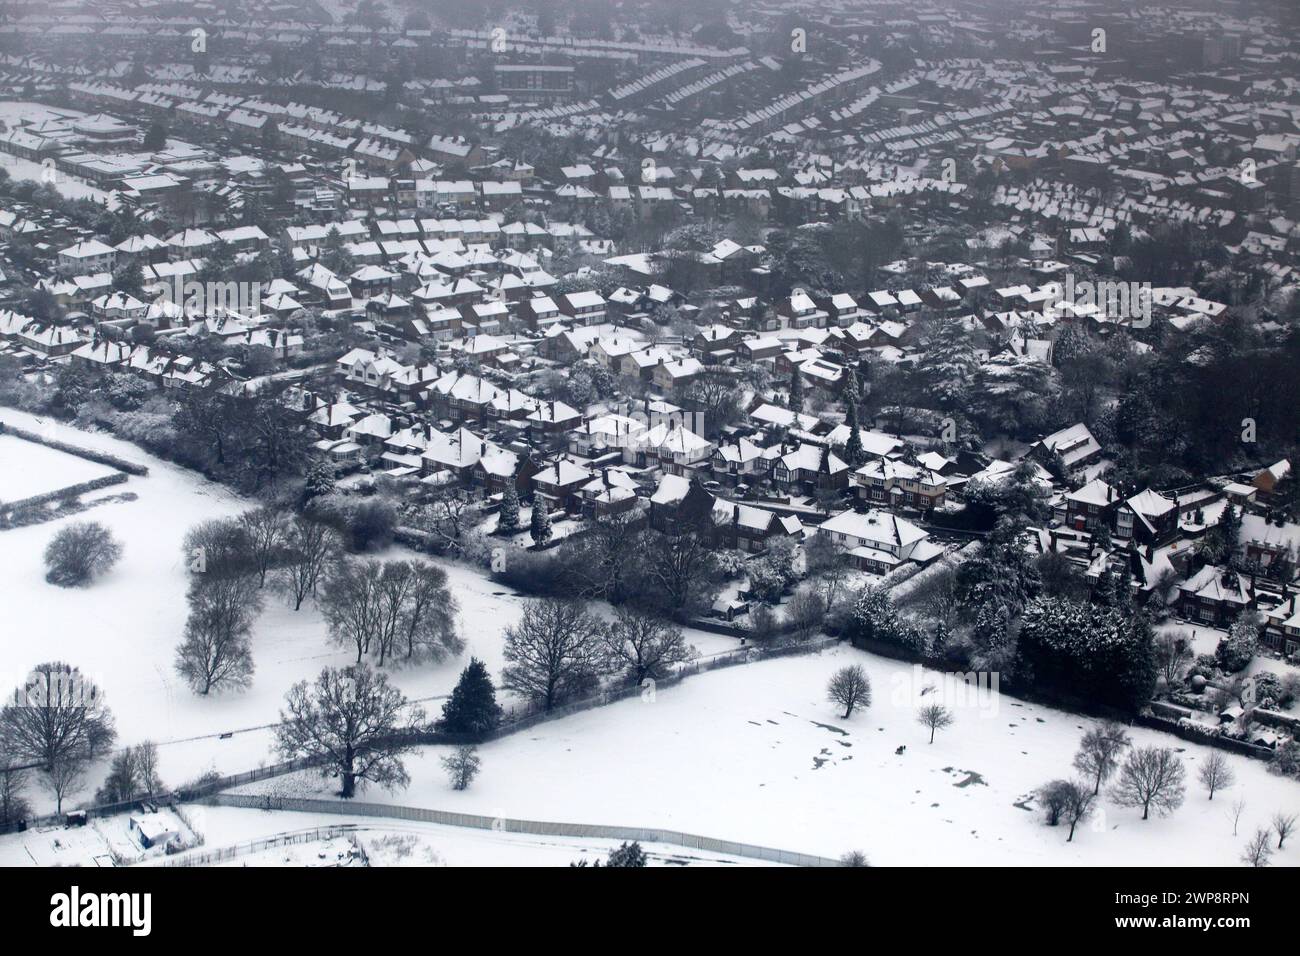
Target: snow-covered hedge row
pixel 99 457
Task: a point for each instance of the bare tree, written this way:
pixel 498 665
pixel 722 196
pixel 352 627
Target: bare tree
pixel 218 547
pixel 1258 850
pixel 853 858
pixel 1053 798
pixel 216 652
pixel 354 723
pixel 935 717
pixel 1078 807
pixel 1215 774
pixel 1099 752
pixel 444 515
pixel 310 546
pixel 353 604
pixel 133 773
pixel 610 558
pixel 828 564
pixel 79 553
pixel 1235 811
pixel 462 766
pixel 850 687
pixel 428 618
pixel 65 776
pixel 1173 655
pixel 805 614
pixel 267 531
pixel 57 715
pixel 1284 826
pixel 644 645
pixel 680 564
pixel 14 807
pixel 553 652
pixel 1152 777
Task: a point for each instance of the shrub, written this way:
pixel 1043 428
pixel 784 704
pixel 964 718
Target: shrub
pixel 79 553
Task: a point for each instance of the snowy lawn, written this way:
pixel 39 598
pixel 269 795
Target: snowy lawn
pixel 28 469
pixel 755 753
pixel 122 631
pixel 410 843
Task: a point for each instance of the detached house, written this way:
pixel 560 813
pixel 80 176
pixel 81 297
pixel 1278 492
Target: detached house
pixel 1215 596
pixel 1149 518
pixel 879 541
pixel 900 484
pixel 1075 445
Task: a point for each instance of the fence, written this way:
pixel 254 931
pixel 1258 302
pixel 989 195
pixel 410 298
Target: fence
pixel 519 718
pixel 209 857
pixel 690 841
pixel 529 715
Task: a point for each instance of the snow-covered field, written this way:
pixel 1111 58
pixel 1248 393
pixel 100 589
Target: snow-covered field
pixel 122 631
pixel 28 469
pixel 404 843
pixel 755 753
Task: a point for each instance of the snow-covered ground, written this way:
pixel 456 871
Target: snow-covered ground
pixel 756 753
pixel 28 469
pixel 122 631
pixel 67 186
pixel 406 843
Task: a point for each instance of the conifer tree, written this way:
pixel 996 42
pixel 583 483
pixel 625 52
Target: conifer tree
pixel 509 517
pixel 472 707
pixel 541 522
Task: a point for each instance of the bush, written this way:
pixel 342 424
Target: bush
pixel 1237 649
pixel 79 553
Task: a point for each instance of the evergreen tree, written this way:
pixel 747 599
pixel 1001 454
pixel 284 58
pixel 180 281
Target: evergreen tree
pixel 853 450
pixel 1229 531
pixel 627 855
pixel 540 530
pixel 472 708
pixel 508 520
pixel 1106 593
pixel 796 390
pixel 852 390
pixel 319 480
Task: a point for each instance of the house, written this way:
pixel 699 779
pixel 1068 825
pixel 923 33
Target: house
pixel 551 419
pixel 842 310
pixel 87 256
pixel 879 541
pixel 1267 544
pixel 1076 446
pixel 671 375
pixel 612 491
pixel 584 308
pixel 749 528
pixel 364 368
pixel 1149 518
pixel 811 466
pixel 559 483
pixel 895 484
pixel 800 311
pixel 1282 626
pixel 672 444
pixel 744 460
pixel 1215 596
pixel 1092 506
